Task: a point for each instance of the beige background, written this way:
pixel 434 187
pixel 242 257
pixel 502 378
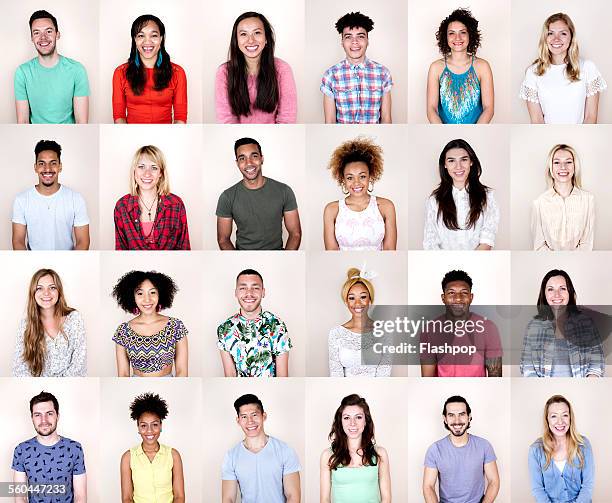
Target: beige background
pixel 530 148
pixel 79 168
pixel 79 272
pixel 287 20
pixel 180 430
pixel 283 275
pixel 181 267
pixel 182 148
pixel 489 401
pixel 389 409
pixel 283 401
pixel 492 146
pixel 326 273
pixel 424 18
pixel 591 27
pixel 528 399
pixel 79 39
pixel 322 140
pixel 183 43
pixel 79 419
pixel 283 151
pixel 387 47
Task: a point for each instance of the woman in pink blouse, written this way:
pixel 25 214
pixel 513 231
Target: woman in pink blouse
pixel 254 87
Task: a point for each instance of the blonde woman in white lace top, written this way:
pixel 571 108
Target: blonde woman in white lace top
pixel 559 87
pixel 563 217
pixel 345 341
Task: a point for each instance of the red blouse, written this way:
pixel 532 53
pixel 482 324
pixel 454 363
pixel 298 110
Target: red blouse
pixel 151 107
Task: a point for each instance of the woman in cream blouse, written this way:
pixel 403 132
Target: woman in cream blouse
pixel 563 217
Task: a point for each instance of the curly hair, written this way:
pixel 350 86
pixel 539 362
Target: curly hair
pixel 361 149
pixel 456 275
pixel 354 20
pixel 148 402
pixel 127 285
pixel 463 16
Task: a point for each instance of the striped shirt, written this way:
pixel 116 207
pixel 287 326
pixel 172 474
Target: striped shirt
pixel 357 90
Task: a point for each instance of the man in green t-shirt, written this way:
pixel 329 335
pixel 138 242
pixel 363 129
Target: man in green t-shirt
pixel 50 89
pixel 258 205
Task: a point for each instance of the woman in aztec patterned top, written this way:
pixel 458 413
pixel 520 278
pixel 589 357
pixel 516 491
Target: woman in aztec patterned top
pixel 459 86
pixel 360 221
pixel 151 343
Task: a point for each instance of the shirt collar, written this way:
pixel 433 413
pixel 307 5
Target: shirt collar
pixel 133 207
pixel 241 319
pixel 364 64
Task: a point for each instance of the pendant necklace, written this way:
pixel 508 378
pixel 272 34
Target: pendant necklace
pixel 149 209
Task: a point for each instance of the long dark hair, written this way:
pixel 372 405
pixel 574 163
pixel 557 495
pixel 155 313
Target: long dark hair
pixel 544 310
pixel 339 442
pixel 237 73
pixel 136 74
pixel 444 192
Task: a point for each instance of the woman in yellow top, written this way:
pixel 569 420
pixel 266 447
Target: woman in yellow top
pixel 151 472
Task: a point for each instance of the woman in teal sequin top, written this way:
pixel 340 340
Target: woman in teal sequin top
pixel 459 85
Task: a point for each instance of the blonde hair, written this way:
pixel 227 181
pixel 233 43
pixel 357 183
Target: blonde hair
pixel 574 439
pixel 572 59
pixel 34 347
pixel 352 278
pixel 576 179
pixel 157 156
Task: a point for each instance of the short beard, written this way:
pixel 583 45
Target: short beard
pixel 466 428
pixel 46 434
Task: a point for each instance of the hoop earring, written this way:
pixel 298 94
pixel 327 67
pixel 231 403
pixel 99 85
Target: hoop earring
pixel 136 311
pixel 159 60
pixel 158 308
pixel 345 191
pixel 137 61
pixel 371 187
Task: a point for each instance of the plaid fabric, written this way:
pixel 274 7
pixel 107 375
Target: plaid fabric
pixel 357 90
pixel 585 348
pixel 170 230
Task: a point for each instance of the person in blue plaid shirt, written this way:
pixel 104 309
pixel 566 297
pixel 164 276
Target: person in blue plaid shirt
pixel 357 90
pixel 561 340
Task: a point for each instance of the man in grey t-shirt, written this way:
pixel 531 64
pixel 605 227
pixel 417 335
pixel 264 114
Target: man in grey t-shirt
pixel 265 468
pixel 258 205
pixel 460 462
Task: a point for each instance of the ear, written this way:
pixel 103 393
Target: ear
pixel 265 416
pixel 58 35
pixel 442 297
pixel 263 294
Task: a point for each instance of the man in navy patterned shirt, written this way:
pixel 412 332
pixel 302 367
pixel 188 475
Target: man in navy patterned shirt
pixel 52 466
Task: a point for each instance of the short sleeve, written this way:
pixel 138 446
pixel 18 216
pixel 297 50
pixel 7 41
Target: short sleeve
pixel 432 457
pixel 335 366
pixel 119 335
pixel 21 93
pixel 81 84
pixel 489 453
pixel 17 464
pixel 19 212
pixel 529 87
pixel 493 345
pixel 180 330
pixel 291 462
pixel 594 81
pixel 80 210
pixel 290 203
pixel 387 81
pixel 222 332
pixel 327 84
pixel 227 470
pixel 78 466
pixel 224 206
pixel 280 341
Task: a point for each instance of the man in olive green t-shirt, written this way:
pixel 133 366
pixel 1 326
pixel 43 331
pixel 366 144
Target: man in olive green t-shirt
pixel 258 205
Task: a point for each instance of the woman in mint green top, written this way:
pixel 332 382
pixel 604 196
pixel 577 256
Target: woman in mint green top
pixel 460 85
pixel 354 469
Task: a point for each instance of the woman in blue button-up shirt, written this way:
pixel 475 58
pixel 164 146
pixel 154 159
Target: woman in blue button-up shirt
pixel 561 463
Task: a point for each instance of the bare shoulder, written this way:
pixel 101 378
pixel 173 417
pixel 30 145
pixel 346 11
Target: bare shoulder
pixel 126 457
pixel 331 208
pixel 436 66
pixel 325 455
pixel 482 65
pixel 176 455
pixel 382 452
pixel 384 203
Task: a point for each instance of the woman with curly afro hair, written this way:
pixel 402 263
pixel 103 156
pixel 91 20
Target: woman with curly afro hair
pixel 150 343
pixel 151 471
pixel 459 85
pixel 360 221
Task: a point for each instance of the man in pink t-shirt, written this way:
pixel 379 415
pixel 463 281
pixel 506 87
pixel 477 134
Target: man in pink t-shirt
pixel 460 343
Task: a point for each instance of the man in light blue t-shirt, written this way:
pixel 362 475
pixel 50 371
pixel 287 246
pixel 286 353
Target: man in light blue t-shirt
pixel 460 462
pixel 265 469
pixel 50 89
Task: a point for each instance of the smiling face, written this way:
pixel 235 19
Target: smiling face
pixel 249 161
pixel 562 169
pixel 353 421
pixel 149 428
pixel 249 292
pixel 358 300
pixel 44 36
pixel 457 297
pixel 251 37
pixel 147 173
pixel 148 42
pixel 46 293
pixel 458 163
pixel 457 36
pixel 558 39
pixel 146 297
pixel 355 43
pixel 456 418
pixel 558 416
pixel 48 167
pixel 356 178
pixel 44 418
pixel 251 420
pixel 557 293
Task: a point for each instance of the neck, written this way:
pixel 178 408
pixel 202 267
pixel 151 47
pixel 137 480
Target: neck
pixel 52 439
pixel 560 442
pixel 252 315
pixel 357 61
pixel 558 59
pixel 252 65
pixel 149 62
pixel 150 448
pixel 459 185
pixel 361 197
pixel 48 60
pixel 360 322
pixel 256 443
pixel 459 441
pixel 564 189
pixel 47 190
pixel 47 313
pixel 148 195
pixel 459 57
pixel 148 318
pixel 257 183
pixel 463 317
pixel 354 444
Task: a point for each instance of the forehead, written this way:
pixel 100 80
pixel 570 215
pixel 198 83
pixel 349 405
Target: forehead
pixel 42 24
pixel 456 26
pixel 46 280
pixel 357 289
pixel 456 408
pixel 457 285
pixel 249 409
pixel 146 159
pixel 149 27
pixel 354 30
pixel 556 281
pixel 249 280
pixel 355 168
pixel 250 24
pixel 43 407
pixel 148 417
pixel 562 154
pixel 455 153
pixel 352 410
pixel 146 285
pixel 47 155
pixel 558 26
pixel 558 408
pixel 247 149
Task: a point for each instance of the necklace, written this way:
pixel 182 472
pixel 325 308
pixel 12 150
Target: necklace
pixel 149 209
